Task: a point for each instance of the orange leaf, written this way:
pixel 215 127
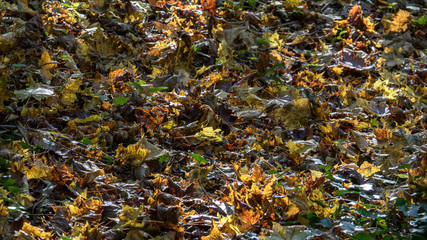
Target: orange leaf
pixel 209 5
pixel 258 175
pixel 382 134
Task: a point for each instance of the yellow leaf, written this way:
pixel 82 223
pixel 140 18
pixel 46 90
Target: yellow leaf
pixel 202 70
pixel 292 210
pixel 45 62
pixel 215 233
pixel 25 200
pixel 294 147
pixel 209 134
pixel 315 174
pixel 129 217
pixel 168 126
pixel 39 170
pixel 157 72
pixel 337 70
pixel 367 169
pixel 256 146
pixel 93 118
pixel 321 210
pixel 36 232
pixel 400 21
pixel 69 92
pixel 134 152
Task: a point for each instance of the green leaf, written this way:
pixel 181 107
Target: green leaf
pixel 156 89
pixel 363 236
pixel 198 158
pixel 374 122
pixel 88 141
pixel 252 3
pixel 137 86
pixel 341 192
pixel 262 41
pixel 272 171
pixel 66 238
pixel 325 167
pixel 404 166
pixel 109 159
pixel 163 158
pixel 402 175
pixel 421 20
pixel 14 189
pixel 26 145
pixel 399 202
pixel 120 101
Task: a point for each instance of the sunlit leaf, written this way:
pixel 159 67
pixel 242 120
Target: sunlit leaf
pixel 209 134
pixel 368 169
pixel 36 232
pixel 198 158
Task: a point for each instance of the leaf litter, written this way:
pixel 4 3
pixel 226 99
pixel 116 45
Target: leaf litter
pixel 213 120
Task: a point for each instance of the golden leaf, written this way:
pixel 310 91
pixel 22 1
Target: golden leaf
pixel 93 118
pixel 367 169
pixel 215 233
pixel 400 21
pixel 318 205
pixel 382 134
pixel 39 170
pixel 36 232
pixel 129 217
pixel 292 210
pixel 69 92
pixel 209 134
pixel 45 62
pixel 294 147
pixel 133 152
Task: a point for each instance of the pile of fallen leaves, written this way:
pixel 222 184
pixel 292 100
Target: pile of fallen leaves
pixel 294 119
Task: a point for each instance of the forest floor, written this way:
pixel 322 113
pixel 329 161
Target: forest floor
pixel 213 120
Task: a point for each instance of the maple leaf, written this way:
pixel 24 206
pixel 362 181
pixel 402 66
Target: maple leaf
pixel 249 217
pixel 215 233
pixel 257 174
